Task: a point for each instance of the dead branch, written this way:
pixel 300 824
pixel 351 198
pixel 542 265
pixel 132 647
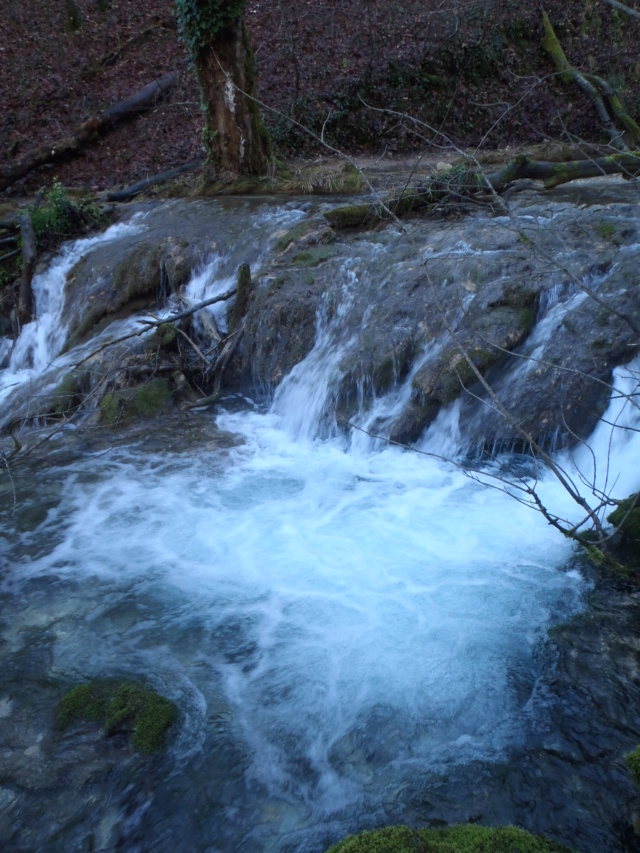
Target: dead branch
pixel 89 131
pixel 600 92
pixel 154 180
pixel 622 8
pixel 150 324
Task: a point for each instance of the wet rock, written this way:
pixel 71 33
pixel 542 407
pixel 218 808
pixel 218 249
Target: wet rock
pixel 101 288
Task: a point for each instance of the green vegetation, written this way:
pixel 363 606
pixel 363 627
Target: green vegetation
pixel 142 401
pixel 312 257
pixel 69 393
pixel 453 839
pixel 59 217
pixel 121 706
pixel 626 517
pixel 608 231
pixel 200 21
pixel 633 763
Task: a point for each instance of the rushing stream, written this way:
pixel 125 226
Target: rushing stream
pixel 346 628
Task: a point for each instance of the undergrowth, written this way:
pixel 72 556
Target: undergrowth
pixel 58 216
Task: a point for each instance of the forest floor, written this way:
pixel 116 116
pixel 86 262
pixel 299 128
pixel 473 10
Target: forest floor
pixel 473 71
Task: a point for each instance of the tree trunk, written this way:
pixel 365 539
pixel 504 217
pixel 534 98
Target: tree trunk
pixel 235 138
pixel 29 258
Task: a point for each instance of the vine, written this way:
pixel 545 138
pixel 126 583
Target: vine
pixel 200 21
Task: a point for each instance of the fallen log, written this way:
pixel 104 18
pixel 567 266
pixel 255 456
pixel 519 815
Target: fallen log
pixel 606 102
pixel 135 189
pixel 89 131
pixel 451 189
pixel 554 174
pixel 615 4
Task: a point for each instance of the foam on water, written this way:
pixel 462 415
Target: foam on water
pixel 42 340
pixel 374 600
pixel 370 617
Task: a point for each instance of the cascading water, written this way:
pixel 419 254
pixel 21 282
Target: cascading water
pixel 342 628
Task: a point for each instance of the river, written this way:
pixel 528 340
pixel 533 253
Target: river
pixel 354 634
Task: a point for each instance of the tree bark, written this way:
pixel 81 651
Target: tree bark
pixel 234 135
pixel 604 99
pixel 29 258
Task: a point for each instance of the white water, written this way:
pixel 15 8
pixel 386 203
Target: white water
pixel 365 618
pixel 41 341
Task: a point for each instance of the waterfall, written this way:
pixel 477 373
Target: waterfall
pixel 41 341
pixel 347 627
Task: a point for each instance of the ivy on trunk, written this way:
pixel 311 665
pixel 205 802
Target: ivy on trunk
pixel 215 32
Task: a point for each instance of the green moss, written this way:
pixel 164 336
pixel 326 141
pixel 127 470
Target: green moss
pixel 450 384
pixel 384 375
pixel 84 702
pixel 453 839
pixel 143 401
pixel 165 334
pixel 312 257
pixel 69 393
pixel 152 397
pixel 120 705
pixel 527 319
pixel 633 763
pixel 109 409
pixel 352 216
pixel 608 231
pixel 626 517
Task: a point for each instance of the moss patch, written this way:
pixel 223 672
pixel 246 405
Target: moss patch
pixel 313 257
pixel 144 401
pixel 633 763
pixel 627 516
pixel 607 231
pixel 353 216
pixel 453 839
pixel 121 706
pixel 69 393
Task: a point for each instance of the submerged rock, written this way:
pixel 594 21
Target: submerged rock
pixel 453 839
pixel 123 706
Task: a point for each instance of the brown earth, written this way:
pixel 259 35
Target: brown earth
pixel 473 70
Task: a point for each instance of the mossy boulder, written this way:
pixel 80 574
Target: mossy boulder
pixel 70 393
pixel 144 275
pixel 453 839
pixel 141 401
pixel 627 517
pixel 122 707
pixel 354 216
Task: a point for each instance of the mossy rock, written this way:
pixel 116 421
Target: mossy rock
pixel 121 706
pixel 313 257
pixel 460 373
pixel 353 216
pixel 163 337
pixel 143 401
pixel 626 517
pixel 70 393
pixel 295 233
pixel 453 839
